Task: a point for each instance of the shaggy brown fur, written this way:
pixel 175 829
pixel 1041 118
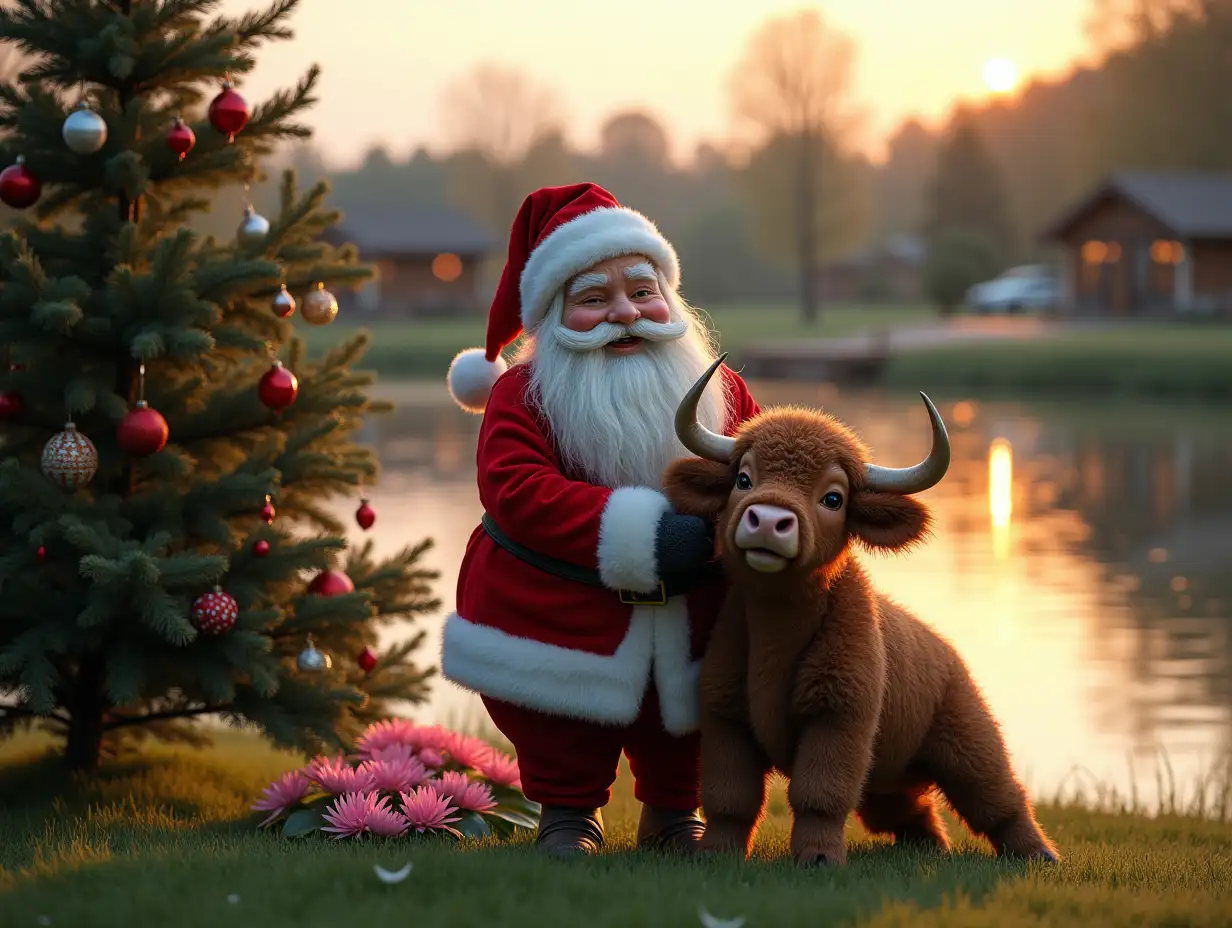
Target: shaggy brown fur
pixel 811 672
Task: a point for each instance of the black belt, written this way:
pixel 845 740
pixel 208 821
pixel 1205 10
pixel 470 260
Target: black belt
pixel 670 585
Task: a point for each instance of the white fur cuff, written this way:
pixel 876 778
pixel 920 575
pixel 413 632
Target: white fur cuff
pixel 472 376
pixel 627 531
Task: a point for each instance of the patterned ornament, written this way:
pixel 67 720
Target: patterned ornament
pixel 260 548
pixel 278 387
pixel 70 458
pixel 142 431
pixel 215 612
pixel 311 660
pixel 228 112
pixel 365 515
pixel 253 228
pixel 268 511
pixel 331 583
pixel 180 138
pixel 284 303
pixel 10 404
pixel 84 132
pixel 320 307
pixel 19 186
pixel 366 660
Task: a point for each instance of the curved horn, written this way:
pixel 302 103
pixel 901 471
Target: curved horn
pixel 695 436
pixel 922 476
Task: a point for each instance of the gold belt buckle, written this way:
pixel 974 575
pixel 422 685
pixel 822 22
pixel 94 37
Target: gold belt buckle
pixel 633 598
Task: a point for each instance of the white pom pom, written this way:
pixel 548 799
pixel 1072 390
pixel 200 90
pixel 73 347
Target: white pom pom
pixel 471 378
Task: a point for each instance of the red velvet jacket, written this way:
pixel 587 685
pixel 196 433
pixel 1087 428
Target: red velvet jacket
pixel 537 640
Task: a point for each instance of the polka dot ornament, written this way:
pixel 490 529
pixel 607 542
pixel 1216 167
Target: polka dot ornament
pixel 214 612
pixel 70 458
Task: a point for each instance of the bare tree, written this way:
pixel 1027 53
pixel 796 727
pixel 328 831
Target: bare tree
pixel 502 115
pixel 793 83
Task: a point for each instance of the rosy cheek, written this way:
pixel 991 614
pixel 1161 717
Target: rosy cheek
pixel 655 310
pixel 583 318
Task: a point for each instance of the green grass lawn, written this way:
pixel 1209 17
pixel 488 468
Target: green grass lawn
pixel 424 349
pixel 1192 361
pixel 167 840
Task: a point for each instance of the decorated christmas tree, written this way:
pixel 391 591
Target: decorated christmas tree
pixel 169 549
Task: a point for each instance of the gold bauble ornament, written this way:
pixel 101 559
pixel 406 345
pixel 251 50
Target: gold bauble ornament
pixel 319 306
pixel 70 458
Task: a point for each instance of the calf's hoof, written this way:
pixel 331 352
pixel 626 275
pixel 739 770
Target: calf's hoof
pixel 670 830
pixel 722 837
pixel 568 832
pixel 816 860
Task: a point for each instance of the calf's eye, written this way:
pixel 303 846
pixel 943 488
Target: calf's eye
pixel 832 500
pixel 744 481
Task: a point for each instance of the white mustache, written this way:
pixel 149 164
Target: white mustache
pixel 607 332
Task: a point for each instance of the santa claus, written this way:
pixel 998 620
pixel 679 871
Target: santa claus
pixel 584 601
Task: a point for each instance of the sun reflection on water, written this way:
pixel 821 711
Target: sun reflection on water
pixel 1001 495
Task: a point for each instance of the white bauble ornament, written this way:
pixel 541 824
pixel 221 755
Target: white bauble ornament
pixel 284 303
pixel 253 229
pixel 84 132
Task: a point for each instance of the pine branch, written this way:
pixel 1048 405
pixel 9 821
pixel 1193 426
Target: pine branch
pixel 148 717
pixel 17 712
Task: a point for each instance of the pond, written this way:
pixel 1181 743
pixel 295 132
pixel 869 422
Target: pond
pixel 1082 565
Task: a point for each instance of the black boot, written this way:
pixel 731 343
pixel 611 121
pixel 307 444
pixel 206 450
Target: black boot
pixel 565 831
pixel 676 830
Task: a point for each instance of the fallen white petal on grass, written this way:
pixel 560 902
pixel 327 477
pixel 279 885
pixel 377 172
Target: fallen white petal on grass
pixel 391 876
pixel 711 922
pixel 233 898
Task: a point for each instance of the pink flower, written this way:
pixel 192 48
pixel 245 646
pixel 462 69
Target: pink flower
pixel 355 813
pixel 467 795
pixel 500 768
pixel 280 795
pixel 337 776
pixel 432 737
pixel 394 773
pixel 426 810
pixel 466 751
pixel 380 735
pixel 431 757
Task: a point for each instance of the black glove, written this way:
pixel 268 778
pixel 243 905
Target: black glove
pixel 683 543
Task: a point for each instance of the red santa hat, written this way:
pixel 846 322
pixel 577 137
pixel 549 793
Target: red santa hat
pixel 558 232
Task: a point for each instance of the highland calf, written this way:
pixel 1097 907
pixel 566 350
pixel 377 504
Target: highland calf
pixel 810 671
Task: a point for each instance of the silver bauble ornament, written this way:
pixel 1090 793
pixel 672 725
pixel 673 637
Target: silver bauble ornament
pixel 70 458
pixel 253 229
pixel 85 132
pixel 319 306
pixel 313 661
pixel 284 303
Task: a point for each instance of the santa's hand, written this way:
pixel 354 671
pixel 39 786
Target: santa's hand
pixel 682 544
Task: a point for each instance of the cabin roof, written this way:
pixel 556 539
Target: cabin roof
pixel 1191 204
pixel 392 231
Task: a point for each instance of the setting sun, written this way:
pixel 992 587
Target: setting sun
pixel 1000 75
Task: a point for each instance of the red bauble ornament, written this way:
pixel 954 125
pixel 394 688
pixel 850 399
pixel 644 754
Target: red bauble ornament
pixel 41 553
pixel 10 404
pixel 228 112
pixel 268 511
pixel 331 583
pixel 19 186
pixel 366 660
pixel 215 612
pixel 181 138
pixel 260 548
pixel 143 431
pixel 278 387
pixel 365 515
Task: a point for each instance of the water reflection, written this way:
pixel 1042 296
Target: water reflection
pixel 1081 562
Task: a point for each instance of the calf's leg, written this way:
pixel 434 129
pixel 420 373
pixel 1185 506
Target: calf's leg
pixel 827 776
pixel 734 772
pixel 966 754
pixel 909 815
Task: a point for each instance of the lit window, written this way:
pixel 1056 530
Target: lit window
pixel 1165 252
pixel 1094 252
pixel 446 267
pixel 1114 253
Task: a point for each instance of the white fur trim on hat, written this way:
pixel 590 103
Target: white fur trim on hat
pixel 472 376
pixel 601 234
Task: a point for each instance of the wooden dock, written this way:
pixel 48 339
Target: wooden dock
pixel 855 361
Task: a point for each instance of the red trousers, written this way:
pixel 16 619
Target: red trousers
pixel 572 762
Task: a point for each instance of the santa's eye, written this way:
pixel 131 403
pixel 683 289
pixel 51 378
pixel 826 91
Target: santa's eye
pixel 833 500
pixel 744 481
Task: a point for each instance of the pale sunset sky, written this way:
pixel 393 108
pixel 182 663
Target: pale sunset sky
pixel 386 62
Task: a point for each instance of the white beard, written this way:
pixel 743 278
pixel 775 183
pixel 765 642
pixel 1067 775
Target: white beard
pixel 612 417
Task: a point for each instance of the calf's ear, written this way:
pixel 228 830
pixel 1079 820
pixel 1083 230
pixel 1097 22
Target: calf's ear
pixel 888 521
pixel 697 487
